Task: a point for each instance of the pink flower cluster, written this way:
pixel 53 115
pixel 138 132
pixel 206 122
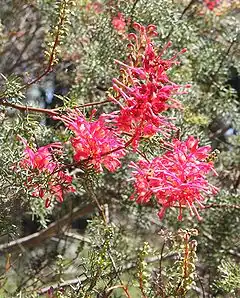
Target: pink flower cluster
pixel 177 178
pixel 41 161
pixel 95 143
pixel 119 23
pixel 94 6
pixel 144 90
pixel 143 93
pixel 211 4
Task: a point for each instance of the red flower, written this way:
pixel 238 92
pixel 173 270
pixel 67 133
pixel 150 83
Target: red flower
pixel 94 143
pixel 144 91
pixel 41 162
pixel 177 178
pixel 119 23
pixel 95 6
pixel 211 4
pixel 41 158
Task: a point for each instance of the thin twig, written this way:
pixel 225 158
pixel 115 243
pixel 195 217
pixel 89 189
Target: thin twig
pixel 132 12
pixel 160 262
pixel 182 14
pixel 187 8
pixel 56 41
pixel 141 284
pixel 90 104
pixel 125 289
pixel 212 78
pixel 22 108
pixel 214 205
pixel 52 112
pixel 202 287
pixel 224 57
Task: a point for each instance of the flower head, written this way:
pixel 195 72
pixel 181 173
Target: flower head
pixel 95 142
pixel 177 178
pixel 42 162
pixel 41 158
pixel 94 6
pixel 144 90
pixel 119 23
pixel 211 4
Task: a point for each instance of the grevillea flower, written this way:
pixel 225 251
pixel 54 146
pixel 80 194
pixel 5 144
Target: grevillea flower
pixel 95 6
pixel 211 4
pixel 144 90
pixel 41 162
pixel 177 178
pixel 95 142
pixel 119 23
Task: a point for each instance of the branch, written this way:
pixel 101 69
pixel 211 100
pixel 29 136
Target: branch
pixel 53 229
pixel 225 55
pixel 22 108
pixel 125 289
pixel 90 104
pixel 52 112
pixel 62 285
pixel 182 15
pixel 212 78
pixel 56 41
pixel 132 12
pixel 214 205
pixel 190 4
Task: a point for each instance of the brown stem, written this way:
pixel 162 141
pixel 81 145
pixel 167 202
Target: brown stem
pixel 56 41
pixel 160 268
pixel 213 205
pixel 186 256
pixel 92 104
pixel 187 8
pixel 132 12
pixel 141 285
pixel 125 289
pixel 143 155
pixel 93 195
pixel 29 109
pixel 52 112
pixel 224 57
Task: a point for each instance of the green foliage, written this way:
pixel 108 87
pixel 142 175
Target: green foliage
pixel 229 277
pixel 12 88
